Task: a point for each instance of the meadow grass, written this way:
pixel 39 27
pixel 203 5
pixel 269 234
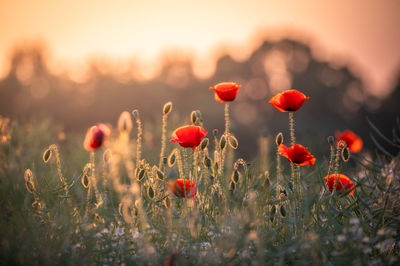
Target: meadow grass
pixel 63 205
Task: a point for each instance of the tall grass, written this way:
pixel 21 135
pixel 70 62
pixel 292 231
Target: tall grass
pixel 112 206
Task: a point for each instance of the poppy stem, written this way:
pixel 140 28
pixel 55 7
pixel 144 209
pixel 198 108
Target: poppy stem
pixel 337 159
pixel 227 121
pixel 163 140
pixel 180 164
pixel 138 140
pixel 185 163
pixel 291 127
pixel 94 181
pixel 58 162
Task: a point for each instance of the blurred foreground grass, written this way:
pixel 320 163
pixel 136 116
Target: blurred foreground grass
pixel 247 224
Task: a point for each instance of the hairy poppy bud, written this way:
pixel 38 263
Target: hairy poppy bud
pixel 215 132
pixel 172 158
pixel 150 192
pixel 204 143
pixel 125 122
pixel 279 139
pixel 345 154
pixel 331 140
pixel 47 155
pixel 233 142
pixel 283 211
pixel 207 162
pixel 235 176
pixel 222 142
pixel 167 108
pixel 140 174
pixel 135 113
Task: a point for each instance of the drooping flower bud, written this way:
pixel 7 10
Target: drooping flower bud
pixel 167 108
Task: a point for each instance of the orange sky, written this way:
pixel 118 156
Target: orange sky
pixel 367 32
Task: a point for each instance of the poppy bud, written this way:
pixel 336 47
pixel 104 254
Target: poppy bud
pixel 232 186
pixel 279 139
pixel 341 144
pixel 216 167
pixel 222 142
pixel 167 108
pixel 47 155
pixel 107 156
pixel 140 174
pixel 165 160
pixel 125 122
pixel 135 113
pixel 204 143
pixel 28 175
pixel 273 210
pixel 207 162
pixel 215 132
pixel 235 176
pixel 290 186
pixel 85 181
pixel 345 154
pixel 331 140
pixel 167 203
pixel 233 142
pixel 172 159
pixel 193 117
pixel 283 211
pixel 160 175
pixel 29 187
pixel 150 192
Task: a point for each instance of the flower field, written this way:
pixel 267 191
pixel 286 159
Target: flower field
pixel 103 198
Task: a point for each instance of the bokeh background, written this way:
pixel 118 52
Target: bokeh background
pixel 82 62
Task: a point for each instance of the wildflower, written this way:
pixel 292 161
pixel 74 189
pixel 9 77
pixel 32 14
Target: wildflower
pixel 225 91
pixel 353 141
pixel 95 137
pixel 189 136
pixel 296 154
pixel 288 101
pixel 180 187
pixel 343 183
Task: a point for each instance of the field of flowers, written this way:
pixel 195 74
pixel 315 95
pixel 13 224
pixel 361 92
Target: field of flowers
pixel 104 200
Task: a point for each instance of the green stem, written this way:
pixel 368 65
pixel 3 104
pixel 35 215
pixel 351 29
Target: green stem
pixel 163 141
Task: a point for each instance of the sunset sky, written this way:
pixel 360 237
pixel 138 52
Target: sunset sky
pixel 364 32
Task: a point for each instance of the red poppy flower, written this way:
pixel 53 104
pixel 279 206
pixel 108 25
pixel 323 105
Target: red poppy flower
pixel 288 101
pixel 189 136
pixel 95 137
pixel 225 91
pixel 296 154
pixel 179 186
pixel 343 183
pixel 353 141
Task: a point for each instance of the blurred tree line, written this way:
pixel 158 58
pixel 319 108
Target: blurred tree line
pixel 338 99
